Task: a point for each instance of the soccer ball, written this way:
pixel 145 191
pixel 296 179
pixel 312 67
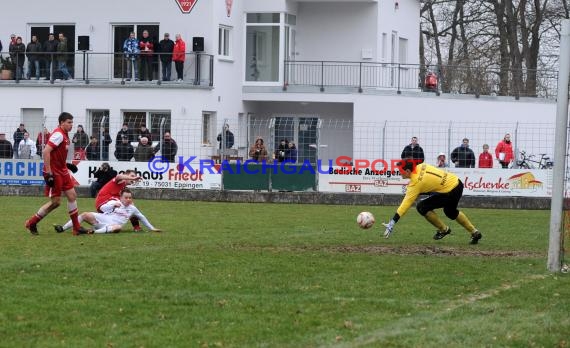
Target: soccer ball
pixel 365 220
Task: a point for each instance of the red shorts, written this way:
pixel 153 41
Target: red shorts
pixel 62 183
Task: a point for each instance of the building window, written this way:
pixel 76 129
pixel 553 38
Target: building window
pixel 262 47
pixel 224 41
pixel 152 120
pixel 208 127
pixel 98 120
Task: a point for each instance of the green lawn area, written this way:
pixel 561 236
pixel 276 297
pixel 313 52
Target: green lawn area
pixel 279 275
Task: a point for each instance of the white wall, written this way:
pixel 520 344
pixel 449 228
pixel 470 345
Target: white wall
pixel 337 31
pixel 405 21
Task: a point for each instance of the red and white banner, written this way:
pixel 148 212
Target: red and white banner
pixel 477 182
pixel 186 5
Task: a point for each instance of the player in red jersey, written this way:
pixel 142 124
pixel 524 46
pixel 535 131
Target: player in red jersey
pixel 57 177
pixel 112 191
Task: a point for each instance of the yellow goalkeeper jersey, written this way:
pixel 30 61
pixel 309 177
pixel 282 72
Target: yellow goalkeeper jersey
pixel 426 179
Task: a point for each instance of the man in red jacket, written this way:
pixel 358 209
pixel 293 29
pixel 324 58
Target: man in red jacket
pixel 504 151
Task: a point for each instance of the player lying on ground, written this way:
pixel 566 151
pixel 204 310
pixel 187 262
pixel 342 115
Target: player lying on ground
pixel 115 214
pixel 444 190
pixel 112 190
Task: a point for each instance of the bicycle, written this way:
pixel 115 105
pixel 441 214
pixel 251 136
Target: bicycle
pixel 527 162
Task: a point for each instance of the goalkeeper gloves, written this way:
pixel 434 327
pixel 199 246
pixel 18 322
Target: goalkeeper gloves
pixel 389 228
pixel 71 167
pixel 49 180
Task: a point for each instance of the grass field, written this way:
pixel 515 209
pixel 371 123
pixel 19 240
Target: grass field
pixel 271 275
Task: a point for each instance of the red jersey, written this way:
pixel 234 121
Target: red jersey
pixel 485 160
pixel 110 190
pixel 59 141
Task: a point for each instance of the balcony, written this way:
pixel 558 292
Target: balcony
pixel 329 76
pixel 109 69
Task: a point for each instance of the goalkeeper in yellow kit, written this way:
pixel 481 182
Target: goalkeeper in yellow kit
pixel 444 190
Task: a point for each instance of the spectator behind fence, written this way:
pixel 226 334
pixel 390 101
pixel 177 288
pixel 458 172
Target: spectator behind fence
pixel 125 132
pixel 124 151
pixel 291 153
pixel 414 151
pixel 179 56
pixel 441 161
pixel 146 45
pixel 105 140
pixel 485 158
pixel 18 52
pixel 18 136
pixel 33 53
pixel 50 48
pixel 132 51
pixel 463 156
pixel 93 150
pixel 281 149
pixel 41 141
pixel 144 151
pixel 166 47
pixel 169 148
pixel 504 151
pixel 80 139
pixel 27 147
pixel 102 176
pixel 258 152
pixel 229 138
pixel 144 133
pixel 5 147
pixel 62 56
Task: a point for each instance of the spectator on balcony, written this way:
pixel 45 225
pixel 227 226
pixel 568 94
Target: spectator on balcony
pixel 291 153
pixel 93 150
pixel 41 141
pixel 18 55
pixel 144 151
pixel 33 51
pixel 258 151
pixel 463 156
pixel 146 45
pixel 18 136
pixel 124 151
pixel 13 58
pixel 27 147
pixel 504 151
pixel 169 148
pixel 166 47
pixel 179 56
pixel 132 51
pixel 50 48
pixel 144 133
pixel 62 56
pixel 125 132
pixel 5 147
pixel 414 151
pixel 485 158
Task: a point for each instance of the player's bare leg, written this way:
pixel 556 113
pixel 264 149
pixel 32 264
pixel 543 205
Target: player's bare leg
pixel 31 223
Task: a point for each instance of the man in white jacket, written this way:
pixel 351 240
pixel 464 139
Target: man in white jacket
pixel 116 213
pixel 27 147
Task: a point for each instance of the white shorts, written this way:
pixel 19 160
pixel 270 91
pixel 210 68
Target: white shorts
pixel 106 220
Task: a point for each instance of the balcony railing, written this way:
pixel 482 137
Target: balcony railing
pixel 86 67
pixel 449 79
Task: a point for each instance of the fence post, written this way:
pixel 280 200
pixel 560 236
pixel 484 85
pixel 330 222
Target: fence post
pixel 322 76
pixel 448 156
pixel 399 91
pixel 516 135
pixel 360 77
pixel 384 140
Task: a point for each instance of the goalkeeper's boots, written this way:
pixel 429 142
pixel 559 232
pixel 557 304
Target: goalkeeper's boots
pixel 475 237
pixel 32 228
pixel 440 234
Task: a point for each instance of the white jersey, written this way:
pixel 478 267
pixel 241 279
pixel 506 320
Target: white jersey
pixel 119 215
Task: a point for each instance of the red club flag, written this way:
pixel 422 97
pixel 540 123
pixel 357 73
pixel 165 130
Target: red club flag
pixel 186 5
